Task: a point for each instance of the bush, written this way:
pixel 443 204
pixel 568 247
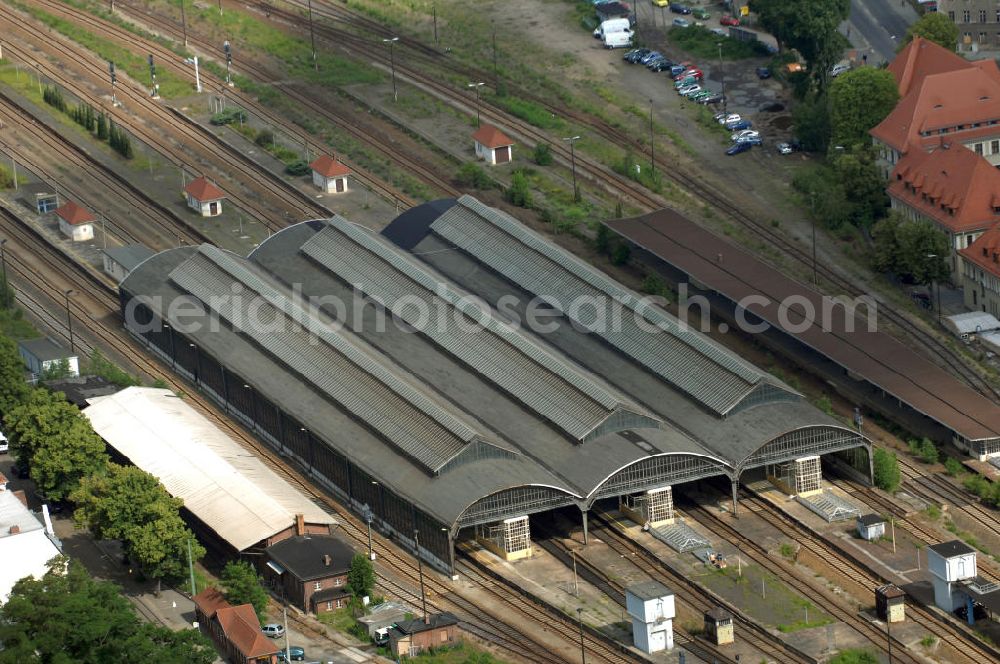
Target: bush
pixel 543 154
pixel 887 476
pixel 952 466
pixel 264 138
pixel 53 97
pixel 229 116
pixel 298 167
pixel 519 193
pixel 620 254
pixel 703 43
pixel 473 175
pixel 925 450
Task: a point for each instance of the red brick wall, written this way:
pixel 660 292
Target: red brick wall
pixel 304 591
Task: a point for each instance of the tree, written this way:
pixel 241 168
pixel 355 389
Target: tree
pixel 130 505
pixel 55 440
pixel 519 193
pixel 808 26
pixel 361 576
pixel 859 100
pixel 602 241
pixel 915 251
pixel 935 27
pixel 13 388
pixel 856 173
pixel 242 585
pixel 886 466
pixel 543 154
pixel 811 120
pixel 69 616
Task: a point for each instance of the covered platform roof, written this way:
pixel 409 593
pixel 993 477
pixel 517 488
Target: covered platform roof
pixel 228 489
pixel 874 355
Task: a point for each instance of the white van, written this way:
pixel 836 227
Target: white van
pixel 611 26
pixel 618 40
pixel 4 446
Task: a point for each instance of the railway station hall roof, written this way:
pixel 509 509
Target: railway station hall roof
pixel 228 489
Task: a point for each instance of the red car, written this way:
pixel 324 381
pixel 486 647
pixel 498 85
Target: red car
pixel 693 71
pixel 729 20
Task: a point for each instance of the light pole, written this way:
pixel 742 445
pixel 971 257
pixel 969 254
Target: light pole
pixel 3 263
pixel 812 207
pixel 392 64
pixel 366 514
pixel 420 571
pixel 476 86
pixel 69 320
pixel 228 50
pixel 722 75
pixel 583 651
pixel 184 24
pixel 572 157
pixel 652 155
pixel 936 288
pixel 312 36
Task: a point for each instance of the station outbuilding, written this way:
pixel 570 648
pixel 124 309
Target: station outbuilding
pixel 719 626
pixel 235 629
pixel 75 222
pixel 233 497
pixel 392 377
pixel 409 638
pixel 952 564
pixel 492 145
pixel 204 197
pixel 119 261
pixel 890 603
pixel 311 570
pixel 650 605
pixel 329 175
pixel 44 354
pixel 870 526
pixel 39 196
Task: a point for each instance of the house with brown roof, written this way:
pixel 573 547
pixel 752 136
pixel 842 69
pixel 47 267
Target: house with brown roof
pixel 311 571
pixel 981 273
pixel 329 174
pixel 492 145
pixel 75 222
pixel 944 100
pixel 234 629
pixel 204 197
pixel 409 638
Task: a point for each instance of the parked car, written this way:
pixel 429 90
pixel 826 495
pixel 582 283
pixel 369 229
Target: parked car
pixel 689 90
pixel 839 69
pixel 295 653
pixel 682 23
pixel 679 68
pixel 739 126
pixel 701 95
pixel 678 8
pixel 724 119
pixel 684 82
pixel 785 148
pixel 701 13
pixel 662 65
pixel 649 56
pixel 660 3
pixel 636 54
pixel 763 72
pixel 745 133
pixel 719 31
pixel 4 445
pixel 273 630
pixel 752 140
pixel 714 98
pixel 690 71
pixel 659 59
pixel 737 148
pixel 726 19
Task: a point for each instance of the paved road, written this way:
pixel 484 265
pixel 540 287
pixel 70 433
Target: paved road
pixel 879 25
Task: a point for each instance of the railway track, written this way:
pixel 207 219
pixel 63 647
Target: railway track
pixel 856 572
pixel 415 66
pixel 266 186
pixel 696 596
pixel 167 58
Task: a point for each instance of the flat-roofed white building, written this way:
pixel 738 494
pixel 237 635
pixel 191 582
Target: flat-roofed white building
pixel 226 487
pixel 26 544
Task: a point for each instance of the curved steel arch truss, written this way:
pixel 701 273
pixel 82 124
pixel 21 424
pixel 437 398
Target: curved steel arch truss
pixel 514 501
pixel 657 471
pixel 806 441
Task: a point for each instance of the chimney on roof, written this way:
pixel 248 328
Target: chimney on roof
pixel 300 524
pixel 15 529
pixel 327 559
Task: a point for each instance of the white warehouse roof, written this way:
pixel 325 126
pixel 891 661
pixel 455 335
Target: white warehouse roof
pixel 226 487
pixel 26 552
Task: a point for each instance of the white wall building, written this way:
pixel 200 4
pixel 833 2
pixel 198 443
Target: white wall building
pixel 44 354
pixel 650 605
pixel 329 175
pixel 75 222
pixel 204 197
pixel 950 563
pixel 492 145
pixel 26 545
pixel 119 261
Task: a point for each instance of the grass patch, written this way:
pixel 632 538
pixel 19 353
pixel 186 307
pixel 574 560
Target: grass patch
pixel 7 177
pixel 528 111
pixel 134 65
pixel 704 44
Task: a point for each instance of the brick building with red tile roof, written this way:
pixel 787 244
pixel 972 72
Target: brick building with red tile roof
pixel 944 100
pixel 235 629
pixel 981 273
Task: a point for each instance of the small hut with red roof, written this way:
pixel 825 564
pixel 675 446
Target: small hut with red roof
pixel 329 174
pixel 204 197
pixel 492 145
pixel 75 222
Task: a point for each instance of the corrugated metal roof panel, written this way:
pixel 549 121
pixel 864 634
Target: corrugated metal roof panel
pixel 687 359
pixel 340 367
pixel 550 385
pixel 225 486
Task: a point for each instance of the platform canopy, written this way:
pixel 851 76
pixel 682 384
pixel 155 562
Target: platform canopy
pixel 225 486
